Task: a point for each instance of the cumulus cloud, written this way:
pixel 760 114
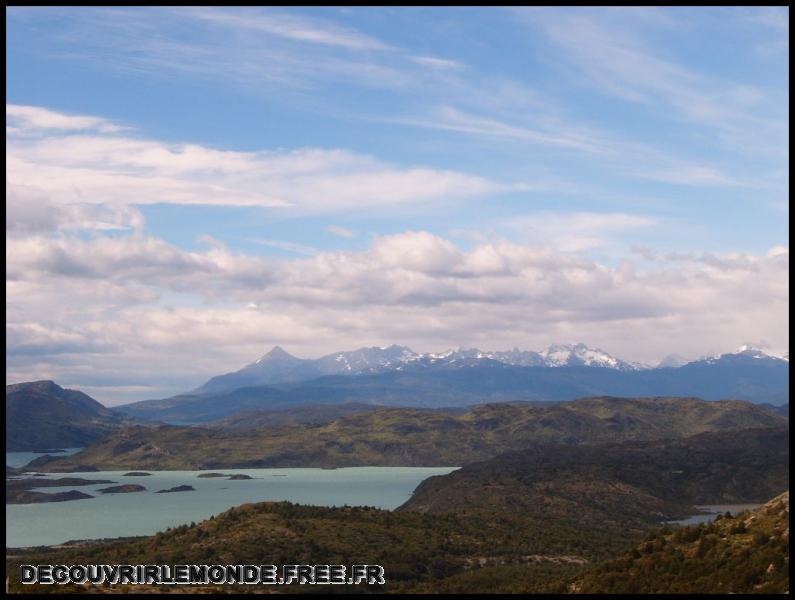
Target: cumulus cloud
pixel 131 297
pixel 29 210
pixel 35 119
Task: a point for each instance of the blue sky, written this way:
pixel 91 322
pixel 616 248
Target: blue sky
pixel 229 179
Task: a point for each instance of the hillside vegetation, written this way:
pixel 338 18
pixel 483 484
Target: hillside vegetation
pixel 413 548
pixel 746 553
pixel 415 437
pixel 629 484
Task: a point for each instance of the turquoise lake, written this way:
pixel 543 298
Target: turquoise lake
pixel 146 513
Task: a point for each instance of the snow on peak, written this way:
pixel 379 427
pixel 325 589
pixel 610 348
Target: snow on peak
pixel 560 355
pixel 759 351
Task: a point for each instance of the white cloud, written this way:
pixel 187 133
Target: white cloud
pixel 437 63
pixel 29 210
pixel 577 231
pixel 135 303
pixel 692 175
pixel 290 27
pixel 342 232
pixel 288 246
pixel 32 119
pixel 119 170
pixel 609 49
pixel 452 119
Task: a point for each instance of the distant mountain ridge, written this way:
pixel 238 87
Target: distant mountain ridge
pixel 42 414
pixel 278 366
pixel 393 376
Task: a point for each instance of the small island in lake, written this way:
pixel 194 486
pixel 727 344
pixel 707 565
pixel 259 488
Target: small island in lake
pixel 28 497
pixel 123 489
pixel 18 491
pixel 179 488
pixel 238 477
pixel 136 474
pixel 210 475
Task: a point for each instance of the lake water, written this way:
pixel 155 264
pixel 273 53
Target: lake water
pixel 146 513
pixel 713 510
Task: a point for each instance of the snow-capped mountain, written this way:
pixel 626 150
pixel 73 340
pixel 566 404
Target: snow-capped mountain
pixel 398 376
pixel 280 367
pixel 364 359
pixel 760 352
pixel 581 355
pixel 749 351
pixel 570 355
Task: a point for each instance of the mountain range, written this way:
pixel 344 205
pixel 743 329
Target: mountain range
pixel 396 376
pixel 278 366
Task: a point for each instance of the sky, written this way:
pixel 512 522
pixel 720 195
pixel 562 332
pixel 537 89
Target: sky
pixel 188 187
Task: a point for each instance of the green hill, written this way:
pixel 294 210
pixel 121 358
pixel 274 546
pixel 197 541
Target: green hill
pixel 415 437
pixel 629 484
pixel 413 548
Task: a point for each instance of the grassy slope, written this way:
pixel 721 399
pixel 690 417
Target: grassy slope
pixel 413 437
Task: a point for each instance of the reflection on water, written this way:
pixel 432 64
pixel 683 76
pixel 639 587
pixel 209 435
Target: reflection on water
pixel 145 513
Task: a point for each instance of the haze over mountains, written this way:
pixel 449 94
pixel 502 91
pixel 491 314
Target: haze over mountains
pixel 397 376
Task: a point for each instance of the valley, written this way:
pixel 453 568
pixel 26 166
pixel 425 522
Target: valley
pixel 556 492
pixel 581 513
